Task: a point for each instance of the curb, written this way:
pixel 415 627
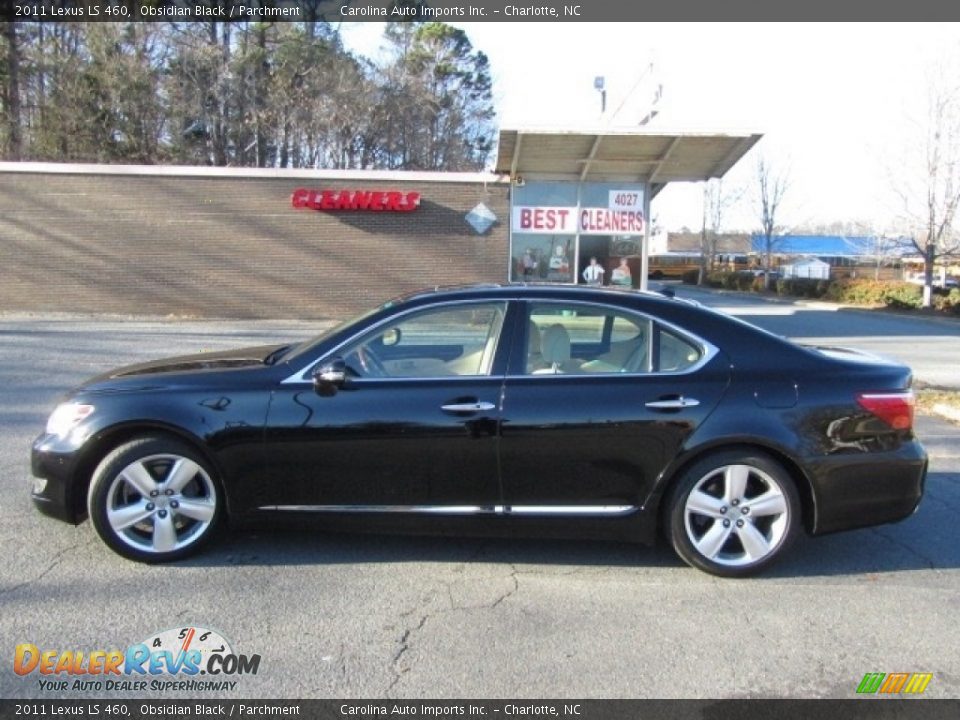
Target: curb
pixel 950 413
pixel 802 302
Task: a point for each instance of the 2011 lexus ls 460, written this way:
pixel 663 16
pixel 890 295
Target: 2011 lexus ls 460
pixel 496 410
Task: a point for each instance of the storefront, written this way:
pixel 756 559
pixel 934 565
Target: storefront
pixel 557 228
pixel 583 198
pixel 238 242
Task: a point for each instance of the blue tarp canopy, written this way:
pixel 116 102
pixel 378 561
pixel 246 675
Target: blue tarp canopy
pixel 841 245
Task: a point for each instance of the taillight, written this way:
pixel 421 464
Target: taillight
pixel 895 409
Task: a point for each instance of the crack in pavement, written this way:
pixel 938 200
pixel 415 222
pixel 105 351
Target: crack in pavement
pixel 407 638
pixel 54 562
pixel 456 607
pixel 899 543
pixel 398 671
pixel 936 498
pixel 512 591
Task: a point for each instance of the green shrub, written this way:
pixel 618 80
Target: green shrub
pixel 876 292
pixel 691 277
pixel 741 281
pixel 849 291
pixel 903 295
pixel 857 292
pixel 948 302
pixel 716 278
pixel 802 287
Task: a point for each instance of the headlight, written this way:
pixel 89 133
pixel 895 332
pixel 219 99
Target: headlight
pixel 66 417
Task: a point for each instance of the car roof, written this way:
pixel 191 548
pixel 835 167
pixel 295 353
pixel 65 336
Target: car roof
pixel 520 290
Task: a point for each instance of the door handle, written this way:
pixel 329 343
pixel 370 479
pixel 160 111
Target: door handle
pixel 468 407
pixel 673 404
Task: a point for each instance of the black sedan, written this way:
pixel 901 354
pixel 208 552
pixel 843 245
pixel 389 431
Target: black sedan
pixel 496 410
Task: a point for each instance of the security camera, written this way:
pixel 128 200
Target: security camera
pixel 519 181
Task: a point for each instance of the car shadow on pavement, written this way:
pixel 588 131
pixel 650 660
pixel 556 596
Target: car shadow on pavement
pixel 306 547
pixel 922 542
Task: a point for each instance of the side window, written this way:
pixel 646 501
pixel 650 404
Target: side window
pixel 438 342
pixel 676 354
pixel 568 338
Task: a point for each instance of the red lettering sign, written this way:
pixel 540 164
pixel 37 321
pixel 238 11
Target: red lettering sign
pixel 372 200
pixel 545 220
pixel 603 221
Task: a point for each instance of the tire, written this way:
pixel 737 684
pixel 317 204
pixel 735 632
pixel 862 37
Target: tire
pixel 155 499
pixel 733 514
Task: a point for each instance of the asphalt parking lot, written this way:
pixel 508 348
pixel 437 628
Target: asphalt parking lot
pixel 374 617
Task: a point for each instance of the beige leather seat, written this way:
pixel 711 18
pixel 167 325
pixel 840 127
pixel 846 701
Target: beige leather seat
pixel 555 347
pixel 534 352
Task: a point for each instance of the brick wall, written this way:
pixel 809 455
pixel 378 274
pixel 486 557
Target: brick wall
pixel 232 247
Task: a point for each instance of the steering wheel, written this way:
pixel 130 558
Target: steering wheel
pixel 371 364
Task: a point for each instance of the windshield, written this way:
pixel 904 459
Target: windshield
pixel 307 346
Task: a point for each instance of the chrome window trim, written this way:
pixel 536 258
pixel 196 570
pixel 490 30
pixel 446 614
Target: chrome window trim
pixel 533 510
pixel 707 350
pixel 301 377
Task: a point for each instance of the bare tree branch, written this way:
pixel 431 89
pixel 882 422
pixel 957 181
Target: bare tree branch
pixel 771 187
pixel 717 199
pixel 929 187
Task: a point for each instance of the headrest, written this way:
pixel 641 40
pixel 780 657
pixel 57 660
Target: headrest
pixel 556 344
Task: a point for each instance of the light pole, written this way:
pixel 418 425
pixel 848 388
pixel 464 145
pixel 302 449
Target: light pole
pixel 598 84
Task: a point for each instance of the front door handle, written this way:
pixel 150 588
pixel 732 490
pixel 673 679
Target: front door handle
pixel 673 404
pixel 468 407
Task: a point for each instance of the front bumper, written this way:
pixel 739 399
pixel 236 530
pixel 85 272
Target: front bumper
pixel 54 465
pixel 857 490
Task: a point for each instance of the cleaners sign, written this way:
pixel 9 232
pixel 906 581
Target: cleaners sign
pixel 623 216
pixel 570 220
pixel 364 200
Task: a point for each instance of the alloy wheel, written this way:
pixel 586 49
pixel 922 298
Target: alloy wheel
pixel 161 503
pixel 736 515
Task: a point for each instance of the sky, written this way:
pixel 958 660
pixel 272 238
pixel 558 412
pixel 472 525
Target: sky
pixel 841 106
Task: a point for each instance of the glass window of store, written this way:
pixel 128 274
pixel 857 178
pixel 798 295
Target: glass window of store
pixel 556 227
pixel 543 232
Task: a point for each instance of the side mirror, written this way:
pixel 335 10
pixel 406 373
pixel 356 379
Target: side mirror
pixel 330 377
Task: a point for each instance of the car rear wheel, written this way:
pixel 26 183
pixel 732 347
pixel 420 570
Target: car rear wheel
pixel 154 499
pixel 733 514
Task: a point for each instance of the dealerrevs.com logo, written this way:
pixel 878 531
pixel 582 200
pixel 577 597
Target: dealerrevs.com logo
pixel 190 659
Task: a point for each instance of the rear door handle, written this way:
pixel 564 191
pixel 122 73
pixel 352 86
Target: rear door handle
pixel 468 407
pixel 673 404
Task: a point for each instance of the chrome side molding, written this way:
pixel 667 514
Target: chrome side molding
pixel 541 510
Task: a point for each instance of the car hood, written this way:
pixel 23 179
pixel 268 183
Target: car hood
pixel 148 372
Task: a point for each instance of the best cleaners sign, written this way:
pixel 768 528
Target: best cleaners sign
pixel 624 216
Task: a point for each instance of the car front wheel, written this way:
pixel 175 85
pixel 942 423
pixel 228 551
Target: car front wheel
pixel 154 499
pixel 733 514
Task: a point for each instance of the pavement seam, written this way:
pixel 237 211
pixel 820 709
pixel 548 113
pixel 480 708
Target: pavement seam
pixel 905 546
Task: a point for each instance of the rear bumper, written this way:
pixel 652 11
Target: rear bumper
pixel 53 491
pixel 857 490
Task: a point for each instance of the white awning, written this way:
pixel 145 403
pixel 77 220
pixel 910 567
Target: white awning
pixel 656 158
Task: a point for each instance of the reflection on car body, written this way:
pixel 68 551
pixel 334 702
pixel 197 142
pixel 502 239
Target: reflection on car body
pixel 498 410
